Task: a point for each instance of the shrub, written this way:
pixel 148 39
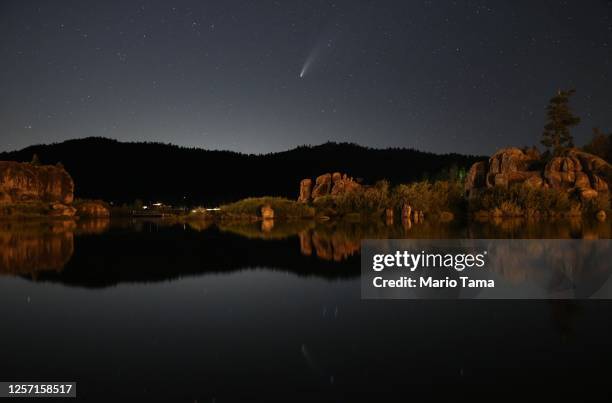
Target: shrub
pixel 521 200
pixel 283 208
pixel 436 197
pixel 368 200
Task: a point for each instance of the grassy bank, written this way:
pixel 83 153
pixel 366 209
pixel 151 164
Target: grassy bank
pixel 251 207
pixel 523 201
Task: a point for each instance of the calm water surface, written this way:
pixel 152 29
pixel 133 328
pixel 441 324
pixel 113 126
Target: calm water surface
pixel 148 310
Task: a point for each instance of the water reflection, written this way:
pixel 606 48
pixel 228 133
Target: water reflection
pixel 580 268
pixel 92 226
pixel 32 248
pixel 98 253
pixel 29 248
pixel 326 245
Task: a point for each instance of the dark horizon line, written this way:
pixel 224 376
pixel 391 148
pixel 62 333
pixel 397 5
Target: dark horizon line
pixel 200 148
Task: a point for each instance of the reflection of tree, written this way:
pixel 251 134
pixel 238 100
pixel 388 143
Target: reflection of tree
pixel 339 239
pixel 33 248
pixel 557 266
pixel 266 229
pixel 530 228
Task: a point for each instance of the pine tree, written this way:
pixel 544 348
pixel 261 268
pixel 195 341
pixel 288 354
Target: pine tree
pixel 600 144
pixel 556 133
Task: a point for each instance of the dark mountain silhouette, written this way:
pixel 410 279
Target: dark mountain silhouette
pixel 122 172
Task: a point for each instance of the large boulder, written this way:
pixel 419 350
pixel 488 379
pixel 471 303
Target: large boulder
pixel 61 210
pixel 510 165
pixel 562 172
pixel 322 186
pixel 327 184
pixel 581 173
pixel 92 209
pixel 343 184
pixel 476 176
pixel 23 182
pixel 592 163
pixel 305 190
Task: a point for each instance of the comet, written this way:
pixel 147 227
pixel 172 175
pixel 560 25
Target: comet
pixel 308 63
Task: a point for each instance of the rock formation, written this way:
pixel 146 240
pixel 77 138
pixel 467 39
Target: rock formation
pixel 334 246
pixel 92 208
pixel 22 182
pixel 305 190
pixel 35 190
pixel 575 171
pixel 510 165
pixel 326 184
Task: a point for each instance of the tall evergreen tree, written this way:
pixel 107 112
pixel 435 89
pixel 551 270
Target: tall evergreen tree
pixel 556 133
pixel 600 144
pixel 35 160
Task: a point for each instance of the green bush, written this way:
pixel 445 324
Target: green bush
pixel 283 208
pixel 521 200
pixel 368 200
pixel 430 197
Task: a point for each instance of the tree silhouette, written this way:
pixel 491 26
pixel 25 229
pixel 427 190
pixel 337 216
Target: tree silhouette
pixel 556 133
pixel 35 159
pixel 600 144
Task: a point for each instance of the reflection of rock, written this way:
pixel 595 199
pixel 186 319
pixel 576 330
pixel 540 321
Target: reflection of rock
pixel 305 243
pixel 30 249
pixel 579 268
pixel 389 216
pixel 199 225
pixel 267 229
pixel 601 215
pixel 93 225
pixel 335 246
pixel 267 225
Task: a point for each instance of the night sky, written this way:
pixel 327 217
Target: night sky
pixel 262 76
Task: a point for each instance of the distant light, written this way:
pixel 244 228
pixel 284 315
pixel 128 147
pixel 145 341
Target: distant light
pixel 213 209
pixel 157 204
pixel 145 207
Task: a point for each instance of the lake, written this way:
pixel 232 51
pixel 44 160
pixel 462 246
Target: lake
pixel 273 311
